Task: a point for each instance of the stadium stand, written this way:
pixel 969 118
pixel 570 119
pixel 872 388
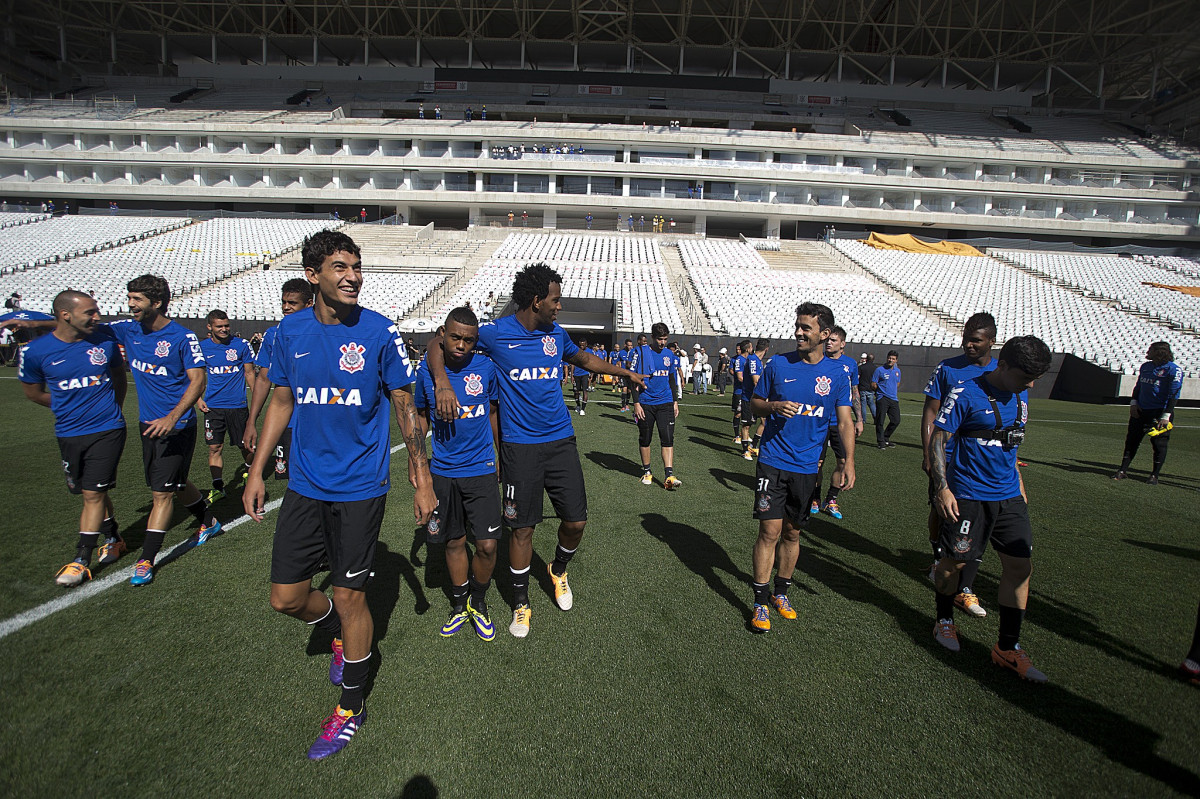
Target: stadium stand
pixel 1173 263
pixel 958 286
pixel 254 295
pixel 720 252
pixel 1121 280
pixel 65 237
pixel 189 258
pixel 14 218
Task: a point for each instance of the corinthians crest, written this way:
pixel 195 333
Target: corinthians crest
pixel 97 356
pixel 231 355
pixel 352 357
pixel 162 349
pixel 823 383
pixel 474 385
pixel 549 345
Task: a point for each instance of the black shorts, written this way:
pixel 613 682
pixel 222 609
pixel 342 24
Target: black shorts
pixel 90 461
pixel 747 413
pixel 282 450
pixel 661 415
pixel 736 405
pixel 835 443
pixel 779 494
pixel 463 501
pixel 581 382
pixel 530 469
pixel 168 460
pixel 1005 523
pixel 219 420
pixel 309 531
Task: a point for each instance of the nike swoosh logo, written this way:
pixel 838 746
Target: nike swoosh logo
pixel 513 346
pixel 493 529
pixel 349 575
pixel 301 355
pixel 793 380
pixel 56 363
pixel 102 485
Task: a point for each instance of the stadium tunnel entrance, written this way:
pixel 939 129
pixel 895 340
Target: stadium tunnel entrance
pixel 442 218
pixel 725 227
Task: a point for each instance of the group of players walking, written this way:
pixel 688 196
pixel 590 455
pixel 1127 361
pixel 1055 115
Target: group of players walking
pixel 489 396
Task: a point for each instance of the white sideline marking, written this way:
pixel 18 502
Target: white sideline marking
pixel 93 587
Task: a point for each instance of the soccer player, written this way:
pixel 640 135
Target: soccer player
pixel 297 295
pixel 622 358
pixel 169 373
pixel 656 404
pixel 464 472
pixel 835 347
pixel 339 365
pixel 230 365
pixel 736 368
pixel 751 372
pixel 537 447
pixel 798 393
pixel 581 379
pixel 979 494
pixel 886 382
pixel 979 336
pixel 1152 408
pixel 78 373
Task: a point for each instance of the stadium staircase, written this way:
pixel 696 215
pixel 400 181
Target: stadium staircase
pixel 839 260
pixel 687 302
pixel 799 255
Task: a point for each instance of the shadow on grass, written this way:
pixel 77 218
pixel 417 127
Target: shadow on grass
pixel 1108 469
pixel 724 449
pixel 620 417
pixel 1122 740
pixel 613 462
pixel 419 787
pixel 701 554
pixel 732 480
pixel 1166 549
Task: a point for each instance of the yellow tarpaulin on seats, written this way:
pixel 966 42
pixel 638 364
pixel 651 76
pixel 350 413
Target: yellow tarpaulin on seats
pixel 909 243
pixel 1193 291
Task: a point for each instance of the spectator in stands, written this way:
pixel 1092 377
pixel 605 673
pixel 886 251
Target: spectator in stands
pixel 642 223
pixel 362 215
pixel 699 364
pixel 483 113
pixel 467 114
pixel 420 110
pixel 866 370
pixel 588 219
pixel 671 224
pixel 511 216
pixel 886 381
pixel 524 219
pixel 630 223
pixel 13 303
pixel 335 215
pixel 437 112
pixel 691 193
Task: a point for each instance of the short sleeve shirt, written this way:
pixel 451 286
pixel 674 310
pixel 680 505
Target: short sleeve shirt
pixel 660 369
pixel 796 444
pixel 752 369
pixel 340 377
pixel 1158 385
pixel 529 367
pixel 847 365
pixel 888 381
pixel 226 365
pixel 78 377
pixel 159 361
pixel 979 468
pixel 463 447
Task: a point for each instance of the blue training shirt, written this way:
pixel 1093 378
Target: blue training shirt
pixel 738 364
pixel 159 361
pixel 752 368
pixel 953 372
pixel 661 369
pixel 463 447
pixel 78 377
pixel 980 468
pixel 850 366
pixel 796 444
pixel 529 365
pixel 340 377
pixel 226 372
pixel 888 381
pixel 623 357
pixel 1158 385
pixel 265 350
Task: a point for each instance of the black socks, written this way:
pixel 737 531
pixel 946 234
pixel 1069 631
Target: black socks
pixel 1010 627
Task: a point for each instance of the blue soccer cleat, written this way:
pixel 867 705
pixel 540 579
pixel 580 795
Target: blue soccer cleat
pixel 205 533
pixel 143 573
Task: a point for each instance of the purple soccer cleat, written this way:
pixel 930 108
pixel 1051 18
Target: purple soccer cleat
pixel 336 732
pixel 338 664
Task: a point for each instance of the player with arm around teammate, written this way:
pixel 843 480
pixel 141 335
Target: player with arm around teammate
pixel 78 373
pixel 656 405
pixel 798 393
pixel 538 454
pixel 835 347
pixel 464 470
pixel 979 336
pixel 979 494
pixel 337 366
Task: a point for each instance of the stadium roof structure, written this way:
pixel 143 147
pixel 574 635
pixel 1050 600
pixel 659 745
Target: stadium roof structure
pixel 1130 54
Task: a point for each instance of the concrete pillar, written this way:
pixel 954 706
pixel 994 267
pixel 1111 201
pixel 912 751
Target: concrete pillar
pixel 264 50
pixel 213 44
pixel 701 224
pixel 625 187
pixel 549 219
pixel 552 185
pixel 772 227
pixel 479 182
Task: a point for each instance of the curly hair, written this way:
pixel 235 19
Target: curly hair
pixel 533 281
pixel 323 244
pixel 153 288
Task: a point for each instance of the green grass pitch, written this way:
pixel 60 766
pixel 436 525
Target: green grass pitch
pixel 651 686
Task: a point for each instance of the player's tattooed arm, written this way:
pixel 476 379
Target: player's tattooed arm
pixel 409 419
pixel 943 499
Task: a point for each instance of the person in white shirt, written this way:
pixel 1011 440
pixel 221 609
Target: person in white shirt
pixel 699 370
